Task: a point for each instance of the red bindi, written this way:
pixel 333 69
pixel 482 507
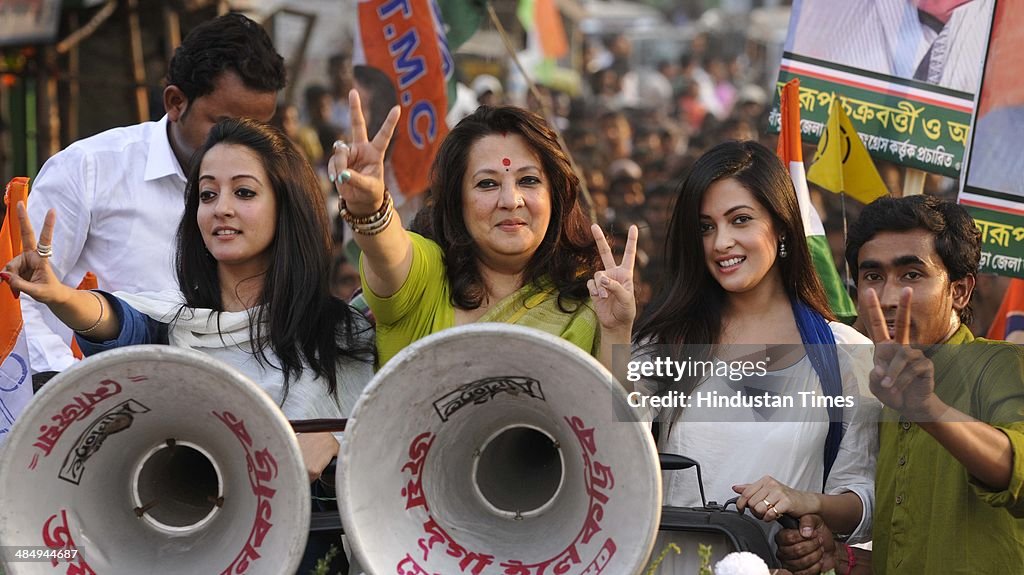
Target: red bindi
pixel 506 162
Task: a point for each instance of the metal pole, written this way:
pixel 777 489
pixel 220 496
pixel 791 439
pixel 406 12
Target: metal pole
pixel 138 61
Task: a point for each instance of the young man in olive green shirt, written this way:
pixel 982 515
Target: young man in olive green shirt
pixel 949 483
pixel 950 476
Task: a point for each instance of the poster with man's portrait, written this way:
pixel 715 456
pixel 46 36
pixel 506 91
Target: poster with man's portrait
pixel 908 71
pixel 993 189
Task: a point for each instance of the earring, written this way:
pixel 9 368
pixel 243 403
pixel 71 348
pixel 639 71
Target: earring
pixel 782 248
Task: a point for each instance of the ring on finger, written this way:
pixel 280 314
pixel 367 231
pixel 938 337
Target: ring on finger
pixel 340 145
pixel 44 250
pixel 768 504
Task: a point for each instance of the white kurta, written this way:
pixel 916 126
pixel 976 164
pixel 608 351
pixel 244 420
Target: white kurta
pixel 227 339
pixel 740 445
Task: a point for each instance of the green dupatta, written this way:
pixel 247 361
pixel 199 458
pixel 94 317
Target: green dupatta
pixel 537 307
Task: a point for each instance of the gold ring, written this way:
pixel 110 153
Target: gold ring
pixel 769 504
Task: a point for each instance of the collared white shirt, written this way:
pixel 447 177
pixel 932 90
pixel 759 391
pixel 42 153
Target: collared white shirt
pixel 119 197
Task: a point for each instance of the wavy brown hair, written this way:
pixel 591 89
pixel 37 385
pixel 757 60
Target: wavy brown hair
pixel 567 255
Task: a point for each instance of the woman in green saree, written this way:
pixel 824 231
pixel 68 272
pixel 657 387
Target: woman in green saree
pixel 510 242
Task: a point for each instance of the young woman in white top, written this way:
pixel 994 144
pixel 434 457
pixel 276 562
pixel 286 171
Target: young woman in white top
pixel 253 262
pixel 739 274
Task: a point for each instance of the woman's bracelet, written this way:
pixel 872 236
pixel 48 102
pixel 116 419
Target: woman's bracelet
pixel 373 224
pixel 99 298
pixel 374 228
pixel 372 218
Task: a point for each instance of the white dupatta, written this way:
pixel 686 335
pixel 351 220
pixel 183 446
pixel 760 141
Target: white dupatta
pixel 225 336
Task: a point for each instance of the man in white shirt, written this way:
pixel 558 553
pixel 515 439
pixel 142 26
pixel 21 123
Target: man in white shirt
pixel 119 195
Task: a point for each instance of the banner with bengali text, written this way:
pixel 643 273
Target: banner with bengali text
pixel 908 79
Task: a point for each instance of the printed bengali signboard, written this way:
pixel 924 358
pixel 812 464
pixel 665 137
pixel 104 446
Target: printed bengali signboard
pixel 993 187
pixel 906 77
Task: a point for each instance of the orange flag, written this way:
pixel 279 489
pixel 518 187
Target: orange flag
pixel 406 42
pixel 15 375
pixel 1009 321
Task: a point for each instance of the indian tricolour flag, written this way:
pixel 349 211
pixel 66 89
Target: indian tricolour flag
pixel 15 375
pixel 790 151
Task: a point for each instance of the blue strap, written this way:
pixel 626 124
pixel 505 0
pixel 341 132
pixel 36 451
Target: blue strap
pixel 820 343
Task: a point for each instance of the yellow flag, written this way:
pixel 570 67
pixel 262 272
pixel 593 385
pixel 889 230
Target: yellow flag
pixel 842 163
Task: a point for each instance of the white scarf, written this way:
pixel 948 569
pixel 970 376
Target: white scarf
pixel 225 336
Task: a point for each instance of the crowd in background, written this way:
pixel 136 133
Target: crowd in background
pixel 632 131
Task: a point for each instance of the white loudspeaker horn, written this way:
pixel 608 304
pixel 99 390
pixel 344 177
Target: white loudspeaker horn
pixel 493 449
pixel 153 459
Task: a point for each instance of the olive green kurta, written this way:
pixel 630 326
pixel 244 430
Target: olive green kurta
pixel 930 515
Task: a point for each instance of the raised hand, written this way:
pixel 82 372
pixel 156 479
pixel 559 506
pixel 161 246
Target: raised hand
pixel 612 288
pixel 903 377
pixel 357 168
pixel 29 271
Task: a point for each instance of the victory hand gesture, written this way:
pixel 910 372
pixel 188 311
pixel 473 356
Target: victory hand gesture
pixel 612 288
pixel 903 377
pixel 30 271
pixel 357 168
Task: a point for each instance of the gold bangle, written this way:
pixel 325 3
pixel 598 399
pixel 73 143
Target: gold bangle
pixel 372 218
pixel 99 298
pixel 375 227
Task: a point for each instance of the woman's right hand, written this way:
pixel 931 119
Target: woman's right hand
pixel 30 272
pixel 357 168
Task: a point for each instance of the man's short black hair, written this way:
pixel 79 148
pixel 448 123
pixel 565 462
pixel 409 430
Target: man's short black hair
pixel 957 238
pixel 230 42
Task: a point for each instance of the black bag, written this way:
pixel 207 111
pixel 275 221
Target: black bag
pixel 741 531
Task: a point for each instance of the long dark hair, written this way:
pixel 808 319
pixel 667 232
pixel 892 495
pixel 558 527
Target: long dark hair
pixel 689 304
pixel 296 316
pixel 567 254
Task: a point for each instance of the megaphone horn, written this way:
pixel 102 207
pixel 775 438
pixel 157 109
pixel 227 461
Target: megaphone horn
pixel 457 459
pixel 154 459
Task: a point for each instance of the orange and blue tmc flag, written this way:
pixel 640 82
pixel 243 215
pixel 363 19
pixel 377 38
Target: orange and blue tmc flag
pixel 1009 321
pixel 405 39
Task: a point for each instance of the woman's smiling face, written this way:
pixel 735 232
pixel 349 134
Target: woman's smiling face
pixel 740 242
pixel 506 201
